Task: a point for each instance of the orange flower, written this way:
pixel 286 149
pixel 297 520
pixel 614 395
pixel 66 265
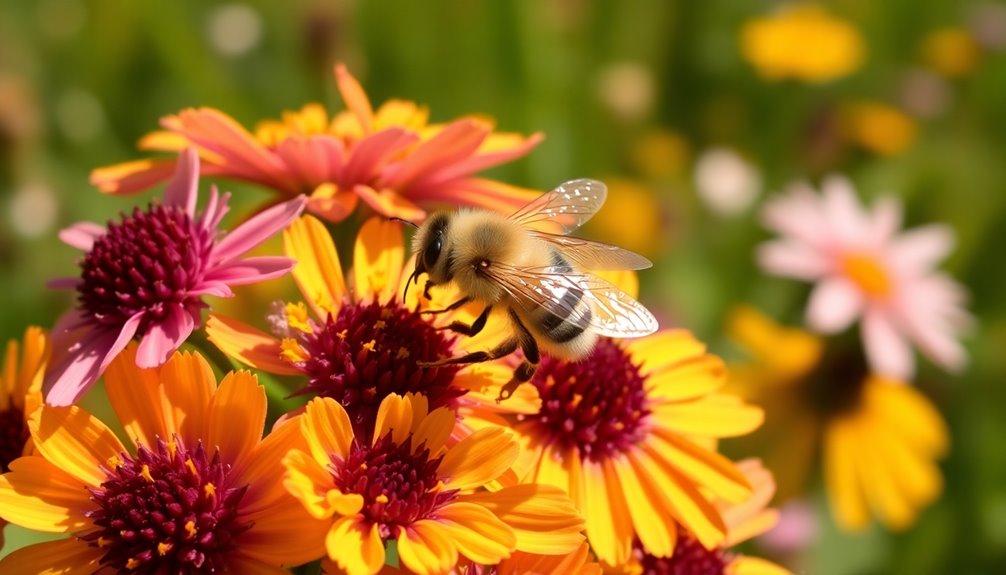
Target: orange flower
pixel 201 490
pixel 408 486
pixel 392 159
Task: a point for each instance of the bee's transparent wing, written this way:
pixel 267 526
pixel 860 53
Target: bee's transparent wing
pixel 564 209
pixel 614 312
pixel 593 255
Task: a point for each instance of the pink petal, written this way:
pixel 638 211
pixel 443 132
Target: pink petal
pixel 75 367
pixel 934 326
pixel 849 223
pixel 887 350
pixel 183 189
pixel 885 219
pixel 797 213
pixel 792 259
pixel 249 270
pixel 306 158
pixel 478 192
pixel 834 304
pixel 164 337
pixel 215 210
pixel 452 144
pixel 258 229
pixel 922 248
pixel 213 288
pixel 82 235
pixel 478 162
pixel 371 154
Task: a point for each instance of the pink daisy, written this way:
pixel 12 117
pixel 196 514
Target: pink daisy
pixel 866 268
pixel 144 277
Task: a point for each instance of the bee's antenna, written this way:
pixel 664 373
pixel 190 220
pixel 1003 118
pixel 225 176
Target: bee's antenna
pixel 412 279
pixel 404 221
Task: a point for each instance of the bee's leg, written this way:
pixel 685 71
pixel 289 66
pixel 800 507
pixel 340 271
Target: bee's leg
pixel 426 289
pixel 474 328
pixel 503 349
pixel 532 357
pixel 451 307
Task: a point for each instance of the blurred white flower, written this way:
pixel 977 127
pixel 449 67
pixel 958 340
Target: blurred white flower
pixel 234 29
pixel 627 89
pixel 32 210
pixel 726 182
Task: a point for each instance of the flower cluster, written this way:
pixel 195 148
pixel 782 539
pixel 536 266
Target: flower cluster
pixel 363 427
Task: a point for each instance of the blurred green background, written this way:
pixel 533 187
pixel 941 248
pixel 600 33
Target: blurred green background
pixel 634 93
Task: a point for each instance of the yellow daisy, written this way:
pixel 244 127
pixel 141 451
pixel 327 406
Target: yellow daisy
pixel 408 486
pixel 361 339
pixel 879 439
pixel 20 394
pixel 630 433
pixel 201 490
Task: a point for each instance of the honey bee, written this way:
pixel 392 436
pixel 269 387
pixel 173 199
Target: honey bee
pixel 528 265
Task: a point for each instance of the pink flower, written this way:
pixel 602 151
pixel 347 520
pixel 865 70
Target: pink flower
pixel 864 267
pixel 144 277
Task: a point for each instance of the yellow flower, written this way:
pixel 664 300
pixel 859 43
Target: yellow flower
pixel 879 128
pixel 408 484
pixel 201 490
pixel 20 395
pixel 357 339
pixel 802 42
pixel 879 439
pixel 578 562
pixel 630 433
pixel 951 51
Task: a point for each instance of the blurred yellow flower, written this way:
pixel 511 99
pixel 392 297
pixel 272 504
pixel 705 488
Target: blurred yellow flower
pixel 951 51
pixel 633 202
pixel 879 128
pixel 802 42
pixel 878 438
pixel 660 153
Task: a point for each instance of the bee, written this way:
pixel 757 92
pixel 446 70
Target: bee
pixel 527 265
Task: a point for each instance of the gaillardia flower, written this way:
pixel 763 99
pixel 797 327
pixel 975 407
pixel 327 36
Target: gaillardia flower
pixel 145 276
pixel 878 439
pixel 362 343
pixel 864 267
pixel 744 521
pixel 630 432
pixel 200 493
pixel 392 159
pixel 407 485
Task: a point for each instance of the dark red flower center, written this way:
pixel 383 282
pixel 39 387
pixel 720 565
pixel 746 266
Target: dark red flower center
pixel 369 351
pixel 399 486
pixel 689 558
pixel 596 405
pixel 172 510
pixel 146 263
pixel 13 435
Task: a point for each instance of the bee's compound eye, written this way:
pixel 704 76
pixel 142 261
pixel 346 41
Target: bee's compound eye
pixel 432 252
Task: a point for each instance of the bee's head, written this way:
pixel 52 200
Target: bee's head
pixel 428 245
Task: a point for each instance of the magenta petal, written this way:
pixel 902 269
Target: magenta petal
pixel 258 229
pixel 164 337
pixel 215 209
pixel 75 367
pixel 213 288
pixel 183 188
pixel 82 235
pixel 250 270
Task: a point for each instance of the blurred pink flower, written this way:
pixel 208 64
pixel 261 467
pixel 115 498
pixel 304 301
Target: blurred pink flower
pixel 145 277
pixel 391 158
pixel 866 268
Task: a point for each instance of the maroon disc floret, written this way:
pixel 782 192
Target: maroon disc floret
pixel 369 351
pixel 596 405
pixel 13 435
pixel 689 558
pixel 170 510
pixel 143 263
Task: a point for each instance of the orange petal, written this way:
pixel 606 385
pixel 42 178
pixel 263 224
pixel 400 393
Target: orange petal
pixel 328 202
pixel 263 472
pixel 327 429
pixel 75 441
pixel 318 272
pixel 609 524
pixel 389 203
pixel 378 257
pixel 248 345
pixel 543 517
pixel 271 539
pixel 355 547
pixel 248 566
pixel 63 557
pixel 426 549
pixel 394 415
pixel 137 398
pixel 654 525
pixel 132 177
pixel 187 384
pixel 479 458
pixel 236 416
pixel 479 535
pixel 313 486
pixel 434 429
pixel 355 97
pixel 163 141
pixel 744 565
pixel 37 495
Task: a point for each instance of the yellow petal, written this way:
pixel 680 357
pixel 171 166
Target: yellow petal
pixel 788 352
pixel 272 540
pixel 750 518
pixel 75 441
pixel 188 383
pixel 687 379
pixel 37 495
pixel 248 345
pixel 543 517
pixel 609 525
pixel 327 429
pixel 394 415
pixel 236 416
pixel 554 468
pixel 426 549
pixel 378 257
pixel 355 97
pixel 355 547
pixel 706 468
pixel 664 348
pixel 434 430
pixel 744 565
pixel 479 458
pixel 716 416
pixel 651 519
pixel 137 398
pixel 313 485
pixel 318 272
pixel 840 476
pixel 389 203
pixel 908 413
pixel 63 557
pixel 478 534
pixel 263 471
pixel 34 356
